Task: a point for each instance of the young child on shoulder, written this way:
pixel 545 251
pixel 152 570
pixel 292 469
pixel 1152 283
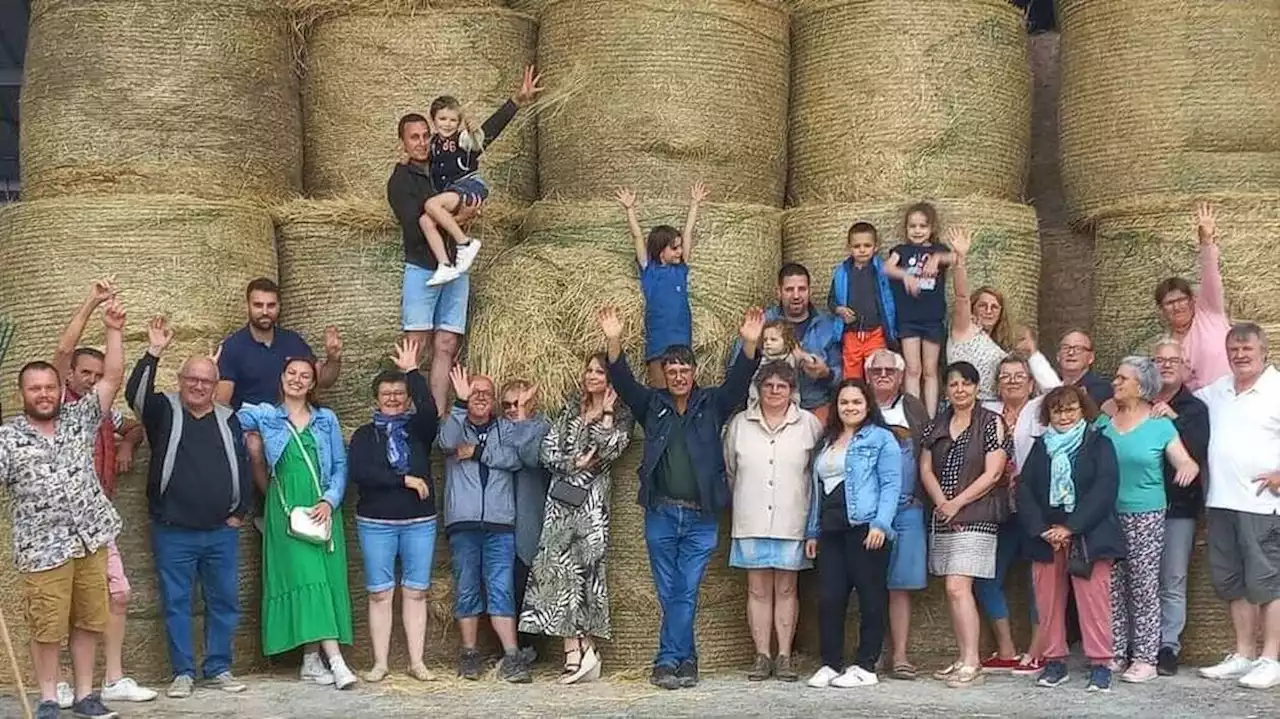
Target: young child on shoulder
pixel 862 298
pixel 920 299
pixel 456 146
pixel 663 258
pixel 777 344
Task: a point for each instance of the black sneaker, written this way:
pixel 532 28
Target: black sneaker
pixel 514 669
pixel 664 677
pixel 1167 662
pixel 687 674
pixel 91 707
pixel 528 655
pixel 469 664
pixel 48 710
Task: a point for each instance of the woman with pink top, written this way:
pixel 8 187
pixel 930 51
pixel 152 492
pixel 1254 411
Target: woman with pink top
pixel 1199 320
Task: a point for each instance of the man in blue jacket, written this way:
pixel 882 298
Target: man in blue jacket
pixel 682 481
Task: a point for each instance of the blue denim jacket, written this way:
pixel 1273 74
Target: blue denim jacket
pixel 872 481
pixel 272 422
pixel 822 339
pixel 839 295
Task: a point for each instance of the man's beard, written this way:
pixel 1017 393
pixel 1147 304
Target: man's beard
pixel 35 414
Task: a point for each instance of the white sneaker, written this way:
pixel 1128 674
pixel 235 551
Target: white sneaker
pixel 1233 667
pixel 313 670
pixel 854 676
pixel 127 690
pixel 66 696
pixel 343 677
pixel 467 255
pixel 822 678
pixel 443 275
pixel 1265 674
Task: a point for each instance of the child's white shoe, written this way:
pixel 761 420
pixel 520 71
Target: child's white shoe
pixel 444 274
pixel 467 255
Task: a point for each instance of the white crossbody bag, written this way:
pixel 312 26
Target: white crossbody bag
pixel 300 524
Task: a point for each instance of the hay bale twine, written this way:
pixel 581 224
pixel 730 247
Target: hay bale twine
pixel 160 96
pixel 185 258
pixel 900 99
pixel 1005 253
pixel 364 71
pixel 659 94
pixel 1137 246
pixel 1162 98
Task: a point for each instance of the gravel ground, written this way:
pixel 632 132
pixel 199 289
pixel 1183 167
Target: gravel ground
pixel 276 697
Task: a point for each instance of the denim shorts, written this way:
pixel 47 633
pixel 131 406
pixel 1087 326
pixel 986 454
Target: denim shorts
pixel 933 332
pixel 907 556
pixel 443 307
pixel 469 187
pixel 484 566
pixel 414 543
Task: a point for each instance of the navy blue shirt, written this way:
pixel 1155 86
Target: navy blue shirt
pixel 255 368
pixel 930 307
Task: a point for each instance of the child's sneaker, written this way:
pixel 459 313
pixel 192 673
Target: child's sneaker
pixel 1100 679
pixel 467 255
pixel 1054 674
pixel 444 274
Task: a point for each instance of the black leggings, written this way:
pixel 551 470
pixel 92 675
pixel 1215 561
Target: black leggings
pixel 844 564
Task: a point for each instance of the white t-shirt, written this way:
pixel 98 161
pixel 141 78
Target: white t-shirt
pixel 1244 442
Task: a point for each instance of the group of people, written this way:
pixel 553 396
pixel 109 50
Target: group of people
pixel 825 444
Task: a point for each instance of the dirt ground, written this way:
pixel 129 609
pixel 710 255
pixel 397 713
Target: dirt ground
pixel 724 695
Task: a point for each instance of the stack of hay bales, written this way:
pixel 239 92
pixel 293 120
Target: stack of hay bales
pixel 154 133
pixel 895 102
pixel 655 96
pixel 1164 104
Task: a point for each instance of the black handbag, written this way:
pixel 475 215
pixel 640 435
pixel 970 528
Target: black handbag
pixel 566 493
pixel 1079 564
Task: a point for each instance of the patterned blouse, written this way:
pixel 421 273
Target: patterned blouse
pixel 984 354
pixel 953 466
pixel 59 510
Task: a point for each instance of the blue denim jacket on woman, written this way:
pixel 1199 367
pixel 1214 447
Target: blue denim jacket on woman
pixel 272 422
pixel 872 481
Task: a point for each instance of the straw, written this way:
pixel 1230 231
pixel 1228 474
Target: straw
pixel 160 96
pixel 661 93
pixel 1162 98
pixel 363 72
pixel 896 98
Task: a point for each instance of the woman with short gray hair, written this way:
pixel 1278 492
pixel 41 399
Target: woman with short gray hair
pixel 1142 443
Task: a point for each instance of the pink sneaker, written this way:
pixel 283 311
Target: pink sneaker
pixel 1138 673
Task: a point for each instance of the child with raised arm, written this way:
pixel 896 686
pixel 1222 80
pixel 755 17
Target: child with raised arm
pixel 456 147
pixel 664 280
pixel 861 297
pixel 920 298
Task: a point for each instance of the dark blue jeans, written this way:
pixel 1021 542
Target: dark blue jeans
pixel 213 555
pixel 680 542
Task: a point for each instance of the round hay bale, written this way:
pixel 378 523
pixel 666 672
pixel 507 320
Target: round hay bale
pixel 902 99
pixel 185 258
pixel 1163 98
pixel 1005 253
pixel 365 71
pixel 1066 283
pixel 1138 246
pixel 659 94
pixel 160 96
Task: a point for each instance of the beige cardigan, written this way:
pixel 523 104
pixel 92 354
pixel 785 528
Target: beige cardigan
pixel 768 472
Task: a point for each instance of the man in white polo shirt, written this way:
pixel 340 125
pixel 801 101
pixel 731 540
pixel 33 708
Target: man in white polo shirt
pixel 1244 505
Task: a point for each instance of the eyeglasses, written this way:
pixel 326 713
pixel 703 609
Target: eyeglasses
pixel 198 381
pixel 1167 361
pixel 1074 349
pixel 482 394
pixel 1013 377
pixel 881 371
pixel 389 393
pixel 1069 409
pixel 1176 302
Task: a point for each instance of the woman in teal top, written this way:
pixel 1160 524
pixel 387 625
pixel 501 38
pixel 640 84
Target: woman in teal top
pixel 1142 443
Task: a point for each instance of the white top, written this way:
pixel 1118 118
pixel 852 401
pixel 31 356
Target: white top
pixel 1026 430
pixel 895 415
pixel 1244 442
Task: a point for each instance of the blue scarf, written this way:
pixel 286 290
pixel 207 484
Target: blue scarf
pixel 1062 445
pixel 396 429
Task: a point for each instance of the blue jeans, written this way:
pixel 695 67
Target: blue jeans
pixel 680 542
pixel 990 592
pixel 213 555
pixel 484 565
pixel 382 542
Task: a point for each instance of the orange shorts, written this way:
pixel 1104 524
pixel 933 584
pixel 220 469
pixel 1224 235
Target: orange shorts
pixel 72 594
pixel 856 346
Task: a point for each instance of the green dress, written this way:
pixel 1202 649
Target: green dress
pixel 304 585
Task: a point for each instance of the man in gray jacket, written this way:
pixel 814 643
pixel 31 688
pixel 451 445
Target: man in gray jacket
pixel 483 452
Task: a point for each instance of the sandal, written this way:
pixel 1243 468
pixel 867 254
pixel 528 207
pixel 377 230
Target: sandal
pixel 904 672
pixel 945 673
pixel 571 667
pixel 966 677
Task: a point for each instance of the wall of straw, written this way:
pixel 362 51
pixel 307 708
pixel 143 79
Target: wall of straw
pixel 364 71
pixel 896 99
pixel 1139 246
pixel 1005 252
pixel 1162 98
pixel 160 96
pixel 659 94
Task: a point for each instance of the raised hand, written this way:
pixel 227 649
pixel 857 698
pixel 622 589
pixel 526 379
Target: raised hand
pixel 752 326
pixel 959 240
pixel 1025 344
pixel 332 343
pixel 529 87
pixel 626 197
pixel 160 335
pixel 114 317
pixel 610 324
pixel 216 357
pixel 524 398
pixel 1206 223
pixel 406 355
pixel 699 193
pixel 610 399
pixel 101 291
pixel 461 382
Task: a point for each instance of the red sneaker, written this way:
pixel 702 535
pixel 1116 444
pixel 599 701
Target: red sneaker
pixel 996 664
pixel 1028 666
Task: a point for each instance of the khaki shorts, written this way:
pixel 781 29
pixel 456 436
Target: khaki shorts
pixel 73 594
